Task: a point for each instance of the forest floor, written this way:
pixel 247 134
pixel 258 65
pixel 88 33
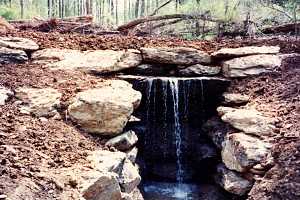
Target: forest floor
pixel 29 145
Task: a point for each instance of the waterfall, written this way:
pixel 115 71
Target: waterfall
pixel 177 129
pixel 172 112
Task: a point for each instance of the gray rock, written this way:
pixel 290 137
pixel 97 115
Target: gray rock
pixel 177 56
pixel 102 186
pixel 129 178
pixel 105 110
pixel 132 154
pixel 152 69
pixel 18 43
pixel 40 102
pixel 12 56
pixel 107 161
pixel 116 162
pixel 199 70
pixel 4 95
pixel 235 99
pixel 248 120
pixel 232 181
pixel 123 142
pixel 217 130
pixel 250 65
pixel 241 152
pixel 99 61
pixel 245 51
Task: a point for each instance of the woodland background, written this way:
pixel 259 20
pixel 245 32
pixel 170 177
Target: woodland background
pixel 216 15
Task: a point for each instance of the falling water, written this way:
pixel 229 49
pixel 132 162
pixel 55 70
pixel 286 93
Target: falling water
pixel 171 114
pixel 177 129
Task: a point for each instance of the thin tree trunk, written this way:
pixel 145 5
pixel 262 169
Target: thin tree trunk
pixel 137 8
pixel 22 8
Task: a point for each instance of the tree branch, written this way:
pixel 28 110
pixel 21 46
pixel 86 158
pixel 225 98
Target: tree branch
pixel 160 7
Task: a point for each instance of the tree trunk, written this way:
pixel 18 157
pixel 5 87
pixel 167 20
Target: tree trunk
pixel 136 22
pixel 22 8
pixel 137 8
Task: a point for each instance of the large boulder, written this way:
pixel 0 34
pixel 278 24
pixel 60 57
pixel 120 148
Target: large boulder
pixel 241 151
pixel 129 177
pixel 245 51
pixel 124 141
pixel 107 161
pixel 247 120
pixel 116 162
pixel 105 110
pixel 40 102
pixel 251 65
pixel 200 70
pixel 18 43
pixel 4 95
pixel 177 56
pixel 104 186
pixel 12 56
pixel 99 61
pixel 232 181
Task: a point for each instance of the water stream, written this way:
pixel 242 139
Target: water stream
pixel 172 112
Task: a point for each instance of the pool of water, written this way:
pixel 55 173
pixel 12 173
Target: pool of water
pixel 175 191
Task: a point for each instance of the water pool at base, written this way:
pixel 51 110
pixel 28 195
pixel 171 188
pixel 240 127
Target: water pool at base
pixel 176 191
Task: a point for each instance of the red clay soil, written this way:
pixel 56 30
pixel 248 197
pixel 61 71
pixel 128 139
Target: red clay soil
pixel 92 42
pixel 278 95
pixel 28 144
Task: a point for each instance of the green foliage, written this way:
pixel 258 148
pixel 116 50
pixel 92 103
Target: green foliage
pixel 7 13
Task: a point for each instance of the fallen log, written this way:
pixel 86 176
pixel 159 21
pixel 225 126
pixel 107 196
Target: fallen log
pixel 136 22
pixel 284 28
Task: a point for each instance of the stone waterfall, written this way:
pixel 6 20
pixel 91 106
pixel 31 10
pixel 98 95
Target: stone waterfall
pixel 172 149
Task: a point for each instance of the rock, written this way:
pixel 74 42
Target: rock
pixel 245 51
pixel 40 102
pixel 152 69
pixel 216 130
pixel 102 186
pixel 135 195
pixel 123 142
pixel 12 56
pixel 200 70
pixel 107 161
pixel 241 151
pixel 248 121
pixel 134 119
pixel 250 65
pixel 129 178
pixel 177 56
pixel 132 154
pixel 205 151
pixel 4 95
pixel 3 197
pixel 18 43
pixel 235 99
pixel 105 110
pixel 116 162
pixel 232 181
pixel 99 61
